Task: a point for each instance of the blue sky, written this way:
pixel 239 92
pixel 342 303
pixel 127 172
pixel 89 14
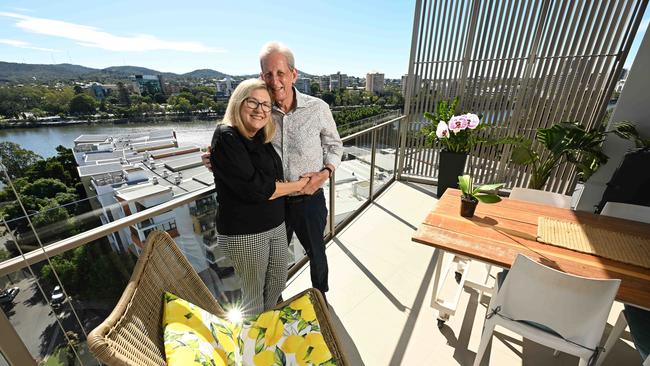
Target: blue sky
pixel 353 36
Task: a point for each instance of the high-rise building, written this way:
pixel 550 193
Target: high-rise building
pixel 324 83
pixel 225 87
pixel 375 83
pixel 303 85
pixel 338 81
pixel 148 84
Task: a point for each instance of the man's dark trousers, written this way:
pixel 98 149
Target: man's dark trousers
pixel 306 216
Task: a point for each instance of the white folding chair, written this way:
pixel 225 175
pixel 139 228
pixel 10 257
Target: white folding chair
pixel 543 197
pixel 627 211
pixel 536 196
pixel 565 312
pixel 635 213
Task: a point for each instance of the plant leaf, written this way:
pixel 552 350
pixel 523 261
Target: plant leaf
pixel 464 183
pixel 523 155
pixel 487 197
pixel 490 187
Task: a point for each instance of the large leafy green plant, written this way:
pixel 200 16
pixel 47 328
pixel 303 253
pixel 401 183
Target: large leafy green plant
pixel 628 131
pixel 481 193
pixel 562 142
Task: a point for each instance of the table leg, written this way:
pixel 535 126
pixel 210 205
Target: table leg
pixel 436 276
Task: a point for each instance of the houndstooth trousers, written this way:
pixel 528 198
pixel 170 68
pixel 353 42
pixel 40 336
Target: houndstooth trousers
pixel 260 260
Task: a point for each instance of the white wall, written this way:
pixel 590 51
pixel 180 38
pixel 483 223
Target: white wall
pixel 633 106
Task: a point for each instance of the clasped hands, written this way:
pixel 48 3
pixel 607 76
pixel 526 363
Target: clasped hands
pixel 312 180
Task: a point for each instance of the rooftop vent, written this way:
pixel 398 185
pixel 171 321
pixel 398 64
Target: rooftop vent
pixel 165 174
pixel 154 180
pixel 178 179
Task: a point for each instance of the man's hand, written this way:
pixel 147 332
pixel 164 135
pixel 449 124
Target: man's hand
pixel 205 158
pixel 316 180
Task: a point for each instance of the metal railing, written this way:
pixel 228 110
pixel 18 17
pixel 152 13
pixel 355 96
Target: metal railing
pixel 363 147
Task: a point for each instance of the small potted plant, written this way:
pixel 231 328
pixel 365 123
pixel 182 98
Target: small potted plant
pixel 472 195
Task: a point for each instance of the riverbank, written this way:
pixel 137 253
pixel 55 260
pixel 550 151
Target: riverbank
pixel 44 139
pixel 94 120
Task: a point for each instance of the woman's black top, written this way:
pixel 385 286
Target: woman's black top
pixel 245 172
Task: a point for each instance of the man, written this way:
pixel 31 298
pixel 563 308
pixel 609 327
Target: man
pixel 309 145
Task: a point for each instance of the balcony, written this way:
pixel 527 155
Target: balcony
pixel 381 281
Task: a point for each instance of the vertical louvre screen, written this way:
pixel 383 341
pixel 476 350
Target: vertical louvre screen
pixel 522 65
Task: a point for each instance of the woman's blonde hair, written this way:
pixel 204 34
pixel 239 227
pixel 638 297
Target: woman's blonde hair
pixel 233 116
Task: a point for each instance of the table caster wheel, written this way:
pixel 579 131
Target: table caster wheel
pixel 458 276
pixel 441 323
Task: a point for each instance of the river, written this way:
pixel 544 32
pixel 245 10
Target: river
pixel 44 140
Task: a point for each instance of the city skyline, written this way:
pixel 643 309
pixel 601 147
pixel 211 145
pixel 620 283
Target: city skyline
pixel 180 39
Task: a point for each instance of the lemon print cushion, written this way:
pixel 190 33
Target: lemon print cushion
pixel 286 336
pixel 193 336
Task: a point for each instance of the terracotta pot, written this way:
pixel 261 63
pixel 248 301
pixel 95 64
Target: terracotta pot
pixel 467 207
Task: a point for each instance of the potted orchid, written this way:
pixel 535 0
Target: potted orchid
pixel 458 134
pixel 472 195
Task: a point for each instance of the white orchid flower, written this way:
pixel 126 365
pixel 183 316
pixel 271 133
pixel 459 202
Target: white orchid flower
pixel 443 130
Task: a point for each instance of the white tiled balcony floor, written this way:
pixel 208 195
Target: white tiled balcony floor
pixel 380 290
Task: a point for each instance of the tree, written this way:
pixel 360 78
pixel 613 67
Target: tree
pixel 4 255
pixel 15 101
pixel 328 97
pixel 314 88
pixel 62 167
pixel 15 159
pixel 54 219
pixel 123 95
pixel 91 272
pixel 180 104
pixel 83 104
pixel 44 188
pixel 78 89
pixel 220 107
pixel 159 98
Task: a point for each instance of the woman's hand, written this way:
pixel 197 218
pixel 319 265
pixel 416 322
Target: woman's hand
pixel 302 182
pixel 285 188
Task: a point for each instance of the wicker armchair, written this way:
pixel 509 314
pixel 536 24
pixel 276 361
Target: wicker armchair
pixel 132 333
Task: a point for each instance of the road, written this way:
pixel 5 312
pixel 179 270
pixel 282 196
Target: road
pixel 32 319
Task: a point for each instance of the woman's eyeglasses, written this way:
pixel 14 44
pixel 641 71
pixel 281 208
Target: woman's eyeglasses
pixel 253 104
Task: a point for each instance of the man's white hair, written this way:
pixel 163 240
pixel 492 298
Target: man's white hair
pixel 274 46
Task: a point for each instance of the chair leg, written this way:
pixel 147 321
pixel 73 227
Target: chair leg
pixel 488 267
pixel 488 328
pixel 556 353
pixel 613 337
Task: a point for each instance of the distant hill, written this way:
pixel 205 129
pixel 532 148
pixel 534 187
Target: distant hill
pixel 15 72
pixel 204 74
pixel 135 70
pixel 11 72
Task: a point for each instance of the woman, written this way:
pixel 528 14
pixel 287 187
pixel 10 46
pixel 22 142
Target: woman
pixel 249 181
